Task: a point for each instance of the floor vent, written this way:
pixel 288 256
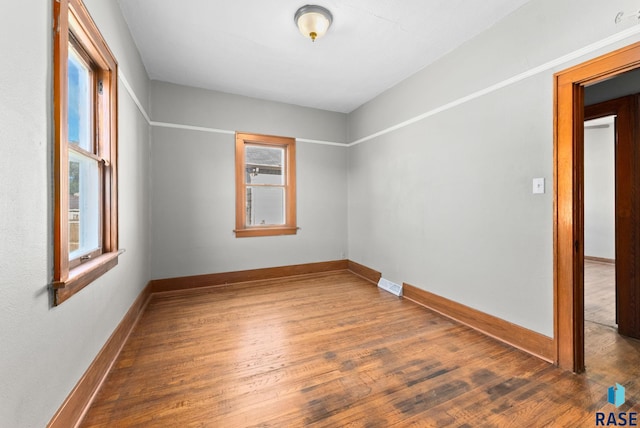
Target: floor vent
pixel 389 286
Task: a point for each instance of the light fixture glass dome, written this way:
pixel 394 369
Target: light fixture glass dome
pixel 313 21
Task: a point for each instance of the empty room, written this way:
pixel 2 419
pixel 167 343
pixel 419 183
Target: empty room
pixel 344 213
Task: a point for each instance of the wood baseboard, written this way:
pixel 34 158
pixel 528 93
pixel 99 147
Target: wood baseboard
pixel 365 272
pixel 600 260
pixel 73 409
pixel 527 340
pixel 225 278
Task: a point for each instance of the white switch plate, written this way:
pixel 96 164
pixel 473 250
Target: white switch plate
pixel 538 185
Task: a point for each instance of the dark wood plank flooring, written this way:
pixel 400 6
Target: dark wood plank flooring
pixel 331 350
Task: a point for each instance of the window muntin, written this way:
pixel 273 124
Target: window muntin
pixel 265 185
pixel 85 158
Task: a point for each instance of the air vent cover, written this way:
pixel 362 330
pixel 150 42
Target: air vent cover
pixel 389 286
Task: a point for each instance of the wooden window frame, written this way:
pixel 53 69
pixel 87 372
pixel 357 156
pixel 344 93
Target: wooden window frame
pixel 243 230
pixel 73 24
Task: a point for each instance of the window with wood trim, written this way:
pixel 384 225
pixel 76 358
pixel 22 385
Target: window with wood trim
pixel 85 154
pixel 265 185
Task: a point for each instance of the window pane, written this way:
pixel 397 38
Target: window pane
pixel 265 206
pixel 79 111
pixel 264 165
pixel 84 205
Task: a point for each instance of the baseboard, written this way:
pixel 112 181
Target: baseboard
pixel 527 340
pixel 225 278
pixel 600 259
pixel 364 272
pixel 73 409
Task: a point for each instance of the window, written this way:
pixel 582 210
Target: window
pixel 265 185
pixel 85 110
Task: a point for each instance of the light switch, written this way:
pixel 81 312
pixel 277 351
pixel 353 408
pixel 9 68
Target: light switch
pixel 538 185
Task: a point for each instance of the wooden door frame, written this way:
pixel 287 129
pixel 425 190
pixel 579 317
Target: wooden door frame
pixel 568 213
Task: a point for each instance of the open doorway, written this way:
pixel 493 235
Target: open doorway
pixel 569 205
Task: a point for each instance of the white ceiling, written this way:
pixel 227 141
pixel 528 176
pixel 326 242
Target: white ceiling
pixel 253 48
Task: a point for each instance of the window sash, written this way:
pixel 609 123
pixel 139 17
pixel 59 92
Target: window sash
pixel 85 195
pixel 266 205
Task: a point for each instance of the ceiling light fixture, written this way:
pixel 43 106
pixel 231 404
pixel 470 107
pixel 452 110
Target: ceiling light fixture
pixel 313 21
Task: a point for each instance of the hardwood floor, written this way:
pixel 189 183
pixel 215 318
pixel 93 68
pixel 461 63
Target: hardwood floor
pixel 599 293
pixel 607 353
pixel 331 350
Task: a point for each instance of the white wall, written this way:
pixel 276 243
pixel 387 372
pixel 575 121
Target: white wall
pixel 599 193
pixel 193 176
pixel 445 203
pixel 45 350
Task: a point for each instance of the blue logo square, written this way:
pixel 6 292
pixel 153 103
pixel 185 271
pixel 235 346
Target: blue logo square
pixel 616 395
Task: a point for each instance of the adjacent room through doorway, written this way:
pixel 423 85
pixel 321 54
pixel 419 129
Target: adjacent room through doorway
pixel 599 222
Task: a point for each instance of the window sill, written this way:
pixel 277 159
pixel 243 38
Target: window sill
pixel 83 275
pixel 266 231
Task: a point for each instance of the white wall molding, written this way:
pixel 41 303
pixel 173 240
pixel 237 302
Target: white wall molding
pixel 515 79
pixel 326 143
pixel 229 132
pixel 191 128
pixel 133 95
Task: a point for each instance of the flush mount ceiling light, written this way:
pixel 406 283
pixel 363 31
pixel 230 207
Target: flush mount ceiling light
pixel 313 21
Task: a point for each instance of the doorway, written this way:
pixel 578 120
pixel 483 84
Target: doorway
pixel 569 205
